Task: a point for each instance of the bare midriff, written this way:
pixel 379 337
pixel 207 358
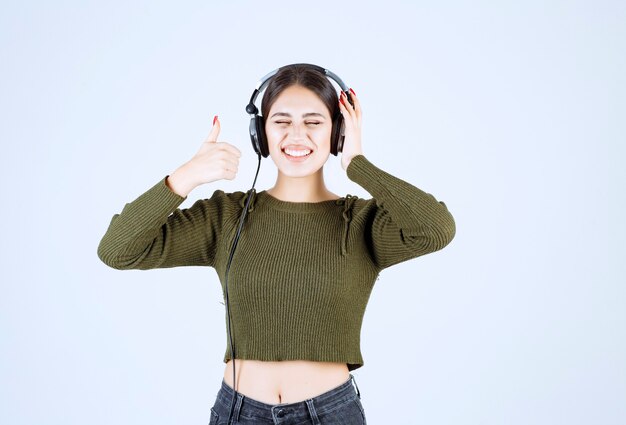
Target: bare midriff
pixel 286 381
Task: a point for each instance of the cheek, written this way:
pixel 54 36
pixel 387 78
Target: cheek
pixel 324 135
pixel 273 135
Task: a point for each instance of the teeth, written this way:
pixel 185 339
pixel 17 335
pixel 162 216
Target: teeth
pixel 292 152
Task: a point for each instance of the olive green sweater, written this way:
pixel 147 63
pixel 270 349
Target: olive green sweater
pixel 302 273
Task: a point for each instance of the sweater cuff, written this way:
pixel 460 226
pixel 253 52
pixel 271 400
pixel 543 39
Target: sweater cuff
pixel 161 198
pixel 376 181
pixel 357 170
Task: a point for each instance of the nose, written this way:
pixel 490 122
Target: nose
pixel 296 132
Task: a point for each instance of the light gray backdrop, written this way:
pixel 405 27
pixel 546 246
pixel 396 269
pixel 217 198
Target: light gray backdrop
pixel 512 113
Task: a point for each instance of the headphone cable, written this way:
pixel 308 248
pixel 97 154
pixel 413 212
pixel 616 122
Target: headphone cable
pixel 230 258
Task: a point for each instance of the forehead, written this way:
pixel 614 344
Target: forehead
pixel 298 99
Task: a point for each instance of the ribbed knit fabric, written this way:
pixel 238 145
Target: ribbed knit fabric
pixel 302 273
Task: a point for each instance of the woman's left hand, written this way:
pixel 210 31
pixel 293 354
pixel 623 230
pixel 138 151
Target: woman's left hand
pixel 352 118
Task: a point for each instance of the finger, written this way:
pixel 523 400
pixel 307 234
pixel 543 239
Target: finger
pixel 357 103
pixel 344 106
pixel 229 163
pixel 347 99
pixel 346 103
pixel 230 148
pixel 230 175
pixel 215 130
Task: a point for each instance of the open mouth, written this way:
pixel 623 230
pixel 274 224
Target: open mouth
pixel 297 153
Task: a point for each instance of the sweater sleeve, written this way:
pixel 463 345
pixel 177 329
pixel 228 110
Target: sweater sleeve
pixel 152 232
pixel 403 222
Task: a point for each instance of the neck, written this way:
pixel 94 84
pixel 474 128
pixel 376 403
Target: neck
pixel 309 188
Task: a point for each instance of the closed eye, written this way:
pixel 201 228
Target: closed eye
pixel 308 123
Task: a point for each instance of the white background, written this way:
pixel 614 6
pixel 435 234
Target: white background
pixel 513 113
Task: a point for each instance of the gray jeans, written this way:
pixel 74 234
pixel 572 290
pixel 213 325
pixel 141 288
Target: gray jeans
pixel 340 405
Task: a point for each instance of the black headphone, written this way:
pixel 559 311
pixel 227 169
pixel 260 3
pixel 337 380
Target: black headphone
pixel 257 122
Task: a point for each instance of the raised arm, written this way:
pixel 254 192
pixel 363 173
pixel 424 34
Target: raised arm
pixel 402 221
pixel 151 232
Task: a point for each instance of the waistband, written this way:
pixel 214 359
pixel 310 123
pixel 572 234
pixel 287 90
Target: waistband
pixel 326 401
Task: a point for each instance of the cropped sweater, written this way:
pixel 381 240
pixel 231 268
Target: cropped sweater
pixel 302 273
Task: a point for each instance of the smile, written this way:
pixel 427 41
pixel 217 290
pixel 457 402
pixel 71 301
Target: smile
pixel 297 155
pixel 294 152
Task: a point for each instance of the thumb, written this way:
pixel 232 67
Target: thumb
pixel 215 131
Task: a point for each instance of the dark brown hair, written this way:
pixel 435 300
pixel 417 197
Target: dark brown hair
pixel 304 76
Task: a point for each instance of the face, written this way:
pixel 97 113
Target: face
pixel 298 129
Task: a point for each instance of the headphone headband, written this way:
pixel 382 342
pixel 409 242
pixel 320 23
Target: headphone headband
pixel 264 81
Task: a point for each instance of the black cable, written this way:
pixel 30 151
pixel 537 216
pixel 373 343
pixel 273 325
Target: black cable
pixel 230 258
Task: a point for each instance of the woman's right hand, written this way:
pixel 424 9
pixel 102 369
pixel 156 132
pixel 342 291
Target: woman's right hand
pixel 213 161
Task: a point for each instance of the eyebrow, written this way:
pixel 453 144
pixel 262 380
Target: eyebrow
pixel 308 114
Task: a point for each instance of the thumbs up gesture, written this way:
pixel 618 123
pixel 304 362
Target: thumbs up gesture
pixel 213 161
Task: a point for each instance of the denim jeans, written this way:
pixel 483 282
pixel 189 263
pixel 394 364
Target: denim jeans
pixel 340 405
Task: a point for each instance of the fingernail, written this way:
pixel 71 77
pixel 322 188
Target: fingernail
pixel 214 119
pixel 341 99
pixel 352 91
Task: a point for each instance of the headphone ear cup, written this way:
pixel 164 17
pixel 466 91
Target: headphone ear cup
pixel 337 135
pixel 257 136
pixel 254 134
pixel 265 151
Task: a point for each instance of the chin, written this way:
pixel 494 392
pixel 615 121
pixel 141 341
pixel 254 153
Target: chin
pixel 298 173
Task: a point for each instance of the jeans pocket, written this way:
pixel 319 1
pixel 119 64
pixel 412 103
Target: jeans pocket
pixel 215 417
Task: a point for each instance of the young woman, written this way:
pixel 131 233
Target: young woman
pixel 306 260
